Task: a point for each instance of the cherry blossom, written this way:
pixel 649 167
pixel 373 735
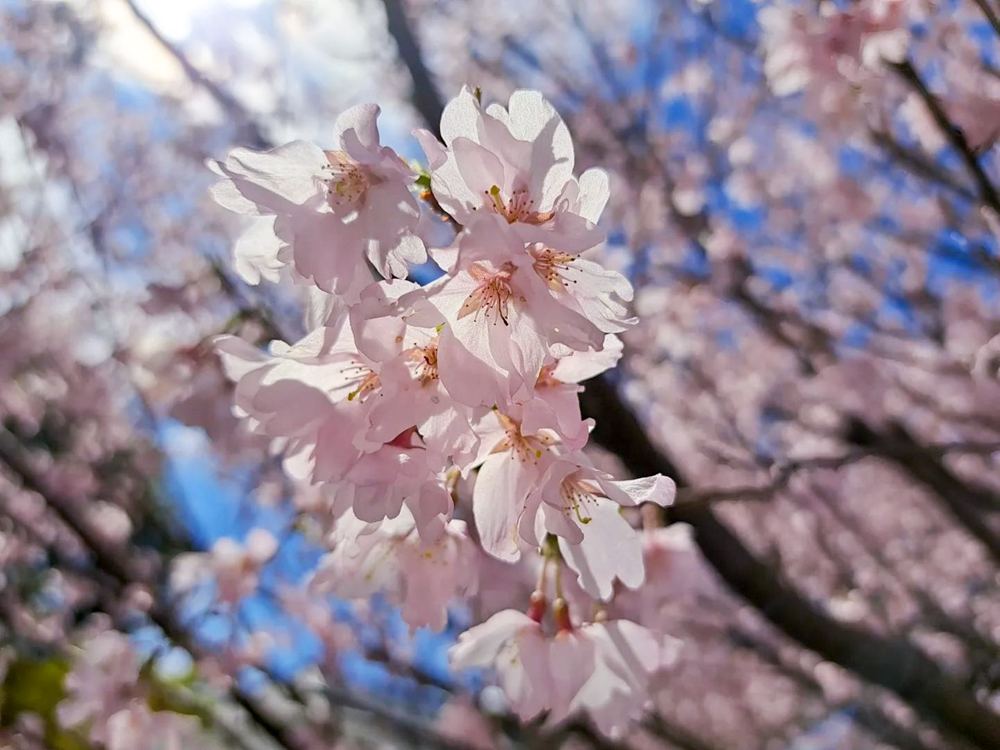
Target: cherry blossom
pixel 334 210
pixel 522 654
pixel 516 164
pixel 104 692
pixel 421 574
pixel 626 656
pixel 235 568
pixel 508 306
pixel 602 668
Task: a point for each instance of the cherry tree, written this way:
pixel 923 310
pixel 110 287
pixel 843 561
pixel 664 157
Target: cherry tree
pixel 683 438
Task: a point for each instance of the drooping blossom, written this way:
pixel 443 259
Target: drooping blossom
pixel 582 506
pixel 626 657
pixel 601 668
pixel 334 211
pixel 421 573
pixel 535 674
pixel 517 448
pixel 400 392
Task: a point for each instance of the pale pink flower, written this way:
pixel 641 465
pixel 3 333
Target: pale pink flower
pixel 536 673
pixel 516 164
pixel 508 306
pixel 581 505
pixel 514 460
pixel 556 396
pixel 420 573
pixel 294 394
pixel 315 401
pixel 333 210
pixel 602 669
pixel 626 656
pixel 234 567
pixel 397 326
pixel 378 482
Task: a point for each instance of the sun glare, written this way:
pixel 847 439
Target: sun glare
pixel 177 19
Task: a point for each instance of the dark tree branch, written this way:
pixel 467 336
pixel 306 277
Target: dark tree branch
pixel 918 164
pixel 426 98
pixel 893 664
pixel 904 450
pixel 990 14
pixel 956 138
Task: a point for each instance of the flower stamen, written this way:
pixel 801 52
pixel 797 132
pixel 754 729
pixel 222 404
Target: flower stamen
pixel 369 384
pixel 523 447
pixel 426 362
pixel 492 294
pixel 518 208
pixel 347 181
pixel 552 266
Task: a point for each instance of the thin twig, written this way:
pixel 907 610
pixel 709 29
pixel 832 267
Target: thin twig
pixel 956 137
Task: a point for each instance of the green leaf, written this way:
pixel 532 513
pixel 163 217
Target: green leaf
pixel 35 686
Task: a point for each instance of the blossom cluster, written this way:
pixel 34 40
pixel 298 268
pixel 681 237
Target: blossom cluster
pixel 401 391
pixel 107 695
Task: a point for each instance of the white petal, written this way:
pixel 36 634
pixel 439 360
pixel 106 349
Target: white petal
pixel 594 193
pixel 610 549
pixel 479 646
pixel 630 492
pixel 362 121
pixel 460 117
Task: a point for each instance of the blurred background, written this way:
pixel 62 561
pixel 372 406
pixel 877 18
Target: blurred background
pixel 806 197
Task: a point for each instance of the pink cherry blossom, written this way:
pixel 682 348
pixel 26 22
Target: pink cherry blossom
pixel 235 568
pixel 421 573
pixel 509 306
pixel 536 673
pixel 514 459
pixel 581 505
pixel 398 327
pixel 602 669
pixel 516 164
pixel 626 656
pixel 334 211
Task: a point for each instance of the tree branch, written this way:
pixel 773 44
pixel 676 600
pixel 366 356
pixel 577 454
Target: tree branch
pixel 250 131
pixel 956 138
pixel 425 97
pixel 891 663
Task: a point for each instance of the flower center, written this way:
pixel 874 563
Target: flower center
pixel 552 266
pixel 546 377
pixel 491 295
pixel 577 495
pixel 347 182
pixel 408 438
pixel 519 207
pixel 524 447
pixel 426 362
